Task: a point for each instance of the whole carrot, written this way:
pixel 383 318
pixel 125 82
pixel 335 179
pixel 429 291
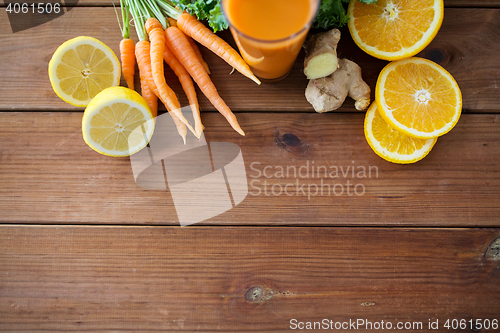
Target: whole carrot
pixel 127 48
pixel 199 32
pixel 157 49
pixel 187 86
pixel 149 96
pixel 196 50
pixel 144 64
pixel 127 55
pixel 142 50
pixel 179 45
pixel 173 23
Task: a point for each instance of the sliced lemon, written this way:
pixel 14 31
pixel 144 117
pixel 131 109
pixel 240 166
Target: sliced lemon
pixel 394 29
pixel 418 98
pixel 117 122
pixel 81 68
pixel 391 145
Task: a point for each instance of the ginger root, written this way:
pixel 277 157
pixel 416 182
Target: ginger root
pixel 321 54
pixel 328 93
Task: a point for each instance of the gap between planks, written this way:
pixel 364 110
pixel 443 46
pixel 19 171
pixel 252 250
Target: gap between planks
pixel 239 227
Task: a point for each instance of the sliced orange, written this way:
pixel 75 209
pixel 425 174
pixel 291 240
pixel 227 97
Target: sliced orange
pixel 391 145
pixel 394 29
pixel 418 98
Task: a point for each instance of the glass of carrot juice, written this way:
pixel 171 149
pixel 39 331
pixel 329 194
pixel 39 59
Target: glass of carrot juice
pixel 270 33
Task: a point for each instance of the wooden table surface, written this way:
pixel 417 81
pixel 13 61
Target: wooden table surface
pixel 83 248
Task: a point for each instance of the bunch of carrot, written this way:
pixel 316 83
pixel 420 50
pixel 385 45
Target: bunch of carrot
pixel 171 41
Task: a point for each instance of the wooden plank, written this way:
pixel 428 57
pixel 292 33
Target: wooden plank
pixel 242 279
pixel 49 175
pixel 466 45
pixel 470 4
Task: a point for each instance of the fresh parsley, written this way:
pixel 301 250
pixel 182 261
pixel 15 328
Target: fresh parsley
pixel 331 14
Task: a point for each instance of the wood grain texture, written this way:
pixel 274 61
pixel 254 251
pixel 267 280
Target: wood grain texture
pixel 137 276
pixel 49 175
pixel 470 4
pixel 241 279
pixel 467 46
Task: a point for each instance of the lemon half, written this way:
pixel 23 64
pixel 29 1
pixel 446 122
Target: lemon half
pixel 117 122
pixel 81 68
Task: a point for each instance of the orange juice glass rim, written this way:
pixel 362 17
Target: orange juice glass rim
pixel 307 26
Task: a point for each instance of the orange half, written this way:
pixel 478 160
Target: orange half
pixel 418 98
pixel 394 29
pixel 391 145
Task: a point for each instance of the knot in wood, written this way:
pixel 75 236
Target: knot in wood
pixel 439 56
pixel 290 140
pixel 493 251
pixel 292 143
pixel 254 294
pixel 368 304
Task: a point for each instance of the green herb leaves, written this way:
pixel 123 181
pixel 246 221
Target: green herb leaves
pixel 209 10
pixel 331 14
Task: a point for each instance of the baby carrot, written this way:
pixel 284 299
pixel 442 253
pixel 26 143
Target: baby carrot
pixel 127 52
pixel 142 51
pixel 149 96
pixel 173 23
pixel 157 48
pixel 142 55
pixel 127 55
pixel 179 45
pixel 198 54
pixel 199 32
pixel 187 86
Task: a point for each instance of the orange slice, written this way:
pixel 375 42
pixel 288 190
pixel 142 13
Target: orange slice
pixel 391 145
pixel 418 98
pixel 394 29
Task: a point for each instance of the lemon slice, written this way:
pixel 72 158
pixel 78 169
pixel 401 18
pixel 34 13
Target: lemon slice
pixel 391 145
pixel 418 98
pixel 394 29
pixel 117 122
pixel 81 68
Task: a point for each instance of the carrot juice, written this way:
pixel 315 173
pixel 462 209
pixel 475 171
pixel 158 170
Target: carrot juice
pixel 270 33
